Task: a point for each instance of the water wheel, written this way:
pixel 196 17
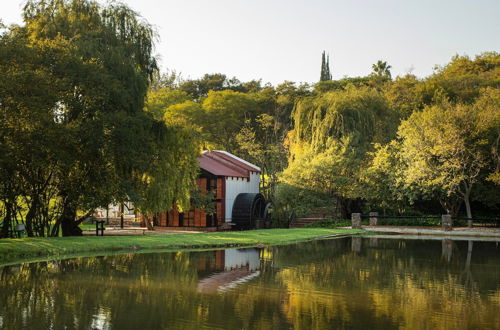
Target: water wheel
pixel 247 209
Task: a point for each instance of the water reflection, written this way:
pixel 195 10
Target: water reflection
pixel 239 266
pixel 343 283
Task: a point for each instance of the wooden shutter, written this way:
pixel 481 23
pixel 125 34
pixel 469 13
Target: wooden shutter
pixel 220 183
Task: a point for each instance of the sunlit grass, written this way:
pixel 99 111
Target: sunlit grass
pixel 29 248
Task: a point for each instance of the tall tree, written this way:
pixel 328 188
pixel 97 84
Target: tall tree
pixel 450 149
pixel 382 69
pixel 325 68
pixel 96 64
pixel 224 114
pixel 332 135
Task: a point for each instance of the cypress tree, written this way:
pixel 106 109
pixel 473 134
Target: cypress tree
pixel 325 68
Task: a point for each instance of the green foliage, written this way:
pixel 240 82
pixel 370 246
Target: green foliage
pixel 76 136
pixel 159 100
pixel 423 222
pixel 446 148
pixel 361 114
pixel 406 95
pixel 383 187
pixel 382 69
pixel 329 223
pixel 87 119
pixel 203 201
pixel 462 79
pixel 200 88
pixel 224 113
pixel 294 201
pixel 333 133
pixel 342 84
pixel 325 68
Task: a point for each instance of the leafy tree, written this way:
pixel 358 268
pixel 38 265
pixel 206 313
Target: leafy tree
pixel 405 94
pixel 462 79
pixel 287 95
pixel 29 92
pixel 447 149
pixel 332 134
pixel 200 88
pixel 383 179
pixel 262 143
pixel 84 72
pixel 159 100
pixel 381 69
pixel 368 81
pixel 224 115
pixel 170 80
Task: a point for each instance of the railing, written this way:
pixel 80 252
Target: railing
pixel 479 222
pixel 402 220
pixel 445 221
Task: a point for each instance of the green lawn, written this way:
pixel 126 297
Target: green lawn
pixel 33 249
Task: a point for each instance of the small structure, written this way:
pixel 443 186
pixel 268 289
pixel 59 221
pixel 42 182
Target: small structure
pixel 113 213
pixel 235 183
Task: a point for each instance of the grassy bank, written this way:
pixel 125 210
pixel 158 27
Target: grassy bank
pixel 42 248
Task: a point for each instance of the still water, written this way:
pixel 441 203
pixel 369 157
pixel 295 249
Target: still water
pixel 361 283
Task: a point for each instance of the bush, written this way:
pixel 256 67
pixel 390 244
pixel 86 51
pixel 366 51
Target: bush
pixel 294 201
pixel 329 223
pixel 410 222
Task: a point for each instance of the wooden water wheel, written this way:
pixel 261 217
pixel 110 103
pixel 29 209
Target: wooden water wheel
pixel 247 209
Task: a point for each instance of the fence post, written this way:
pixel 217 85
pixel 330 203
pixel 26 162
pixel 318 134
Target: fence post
pixel 446 222
pixel 356 220
pixel 373 218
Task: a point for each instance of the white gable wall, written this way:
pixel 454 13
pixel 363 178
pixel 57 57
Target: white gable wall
pixel 235 186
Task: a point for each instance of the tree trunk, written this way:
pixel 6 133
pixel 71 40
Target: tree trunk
pixel 30 216
pixel 469 254
pixel 7 220
pixel 345 207
pixel 122 210
pixel 466 195
pixel 148 223
pixel 451 206
pixel 468 210
pixel 68 224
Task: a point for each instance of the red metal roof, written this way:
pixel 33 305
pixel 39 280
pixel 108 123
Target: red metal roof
pixel 222 163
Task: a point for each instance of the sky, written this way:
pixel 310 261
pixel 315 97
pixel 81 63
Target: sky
pixel 278 40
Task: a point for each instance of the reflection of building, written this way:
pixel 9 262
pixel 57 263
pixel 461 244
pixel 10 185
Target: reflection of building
pixel 236 266
pixel 237 258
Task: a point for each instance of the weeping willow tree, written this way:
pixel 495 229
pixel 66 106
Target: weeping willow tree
pixel 329 145
pixel 171 174
pixel 98 63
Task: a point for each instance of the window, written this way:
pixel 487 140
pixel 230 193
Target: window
pixel 213 185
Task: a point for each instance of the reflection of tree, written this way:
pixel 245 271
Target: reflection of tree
pixel 142 291
pixel 316 285
pixel 387 289
pixel 466 275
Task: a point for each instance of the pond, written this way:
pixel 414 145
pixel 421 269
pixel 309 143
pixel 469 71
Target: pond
pixel 365 283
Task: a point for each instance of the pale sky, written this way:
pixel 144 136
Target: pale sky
pixel 277 40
